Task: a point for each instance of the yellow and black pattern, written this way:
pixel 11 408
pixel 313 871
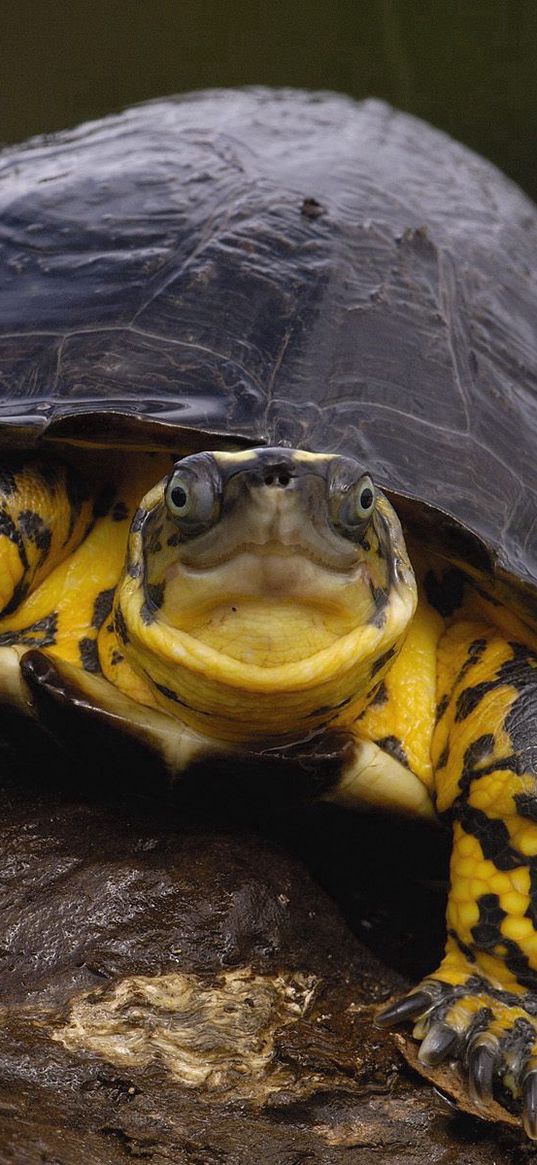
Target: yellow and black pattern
pixel 45 512
pixel 60 557
pixel 66 594
pixel 481 1004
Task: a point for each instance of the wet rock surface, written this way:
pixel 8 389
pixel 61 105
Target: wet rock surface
pixel 181 989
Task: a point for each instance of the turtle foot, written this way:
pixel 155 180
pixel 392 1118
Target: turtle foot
pixel 490 1032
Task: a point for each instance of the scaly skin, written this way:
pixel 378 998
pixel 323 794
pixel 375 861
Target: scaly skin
pixel 444 715
pixel 481 1004
pixel 46 511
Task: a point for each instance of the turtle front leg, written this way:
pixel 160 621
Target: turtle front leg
pixel 480 1006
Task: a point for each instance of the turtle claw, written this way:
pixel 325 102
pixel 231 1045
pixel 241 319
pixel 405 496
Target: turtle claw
pixel 411 1007
pixel 438 1044
pixel 529 1105
pixel 491 1033
pixel 482 1057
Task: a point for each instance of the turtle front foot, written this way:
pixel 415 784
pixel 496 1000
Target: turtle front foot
pixel 491 1032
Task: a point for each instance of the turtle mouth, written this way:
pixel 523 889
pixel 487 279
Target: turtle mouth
pixel 226 589
pixel 316 555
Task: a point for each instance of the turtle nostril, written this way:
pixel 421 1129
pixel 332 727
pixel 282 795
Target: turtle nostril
pixel 281 478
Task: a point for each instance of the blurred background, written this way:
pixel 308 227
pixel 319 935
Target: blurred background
pixel 468 67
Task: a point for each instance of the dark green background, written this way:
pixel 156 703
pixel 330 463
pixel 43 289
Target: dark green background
pixel 468 66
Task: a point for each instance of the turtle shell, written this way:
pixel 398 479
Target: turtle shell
pixel 280 267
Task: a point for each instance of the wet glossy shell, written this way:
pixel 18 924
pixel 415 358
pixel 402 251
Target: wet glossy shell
pixel 280 266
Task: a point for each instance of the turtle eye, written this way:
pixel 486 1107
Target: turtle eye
pixel 178 495
pixel 192 498
pixel 364 499
pixel 351 505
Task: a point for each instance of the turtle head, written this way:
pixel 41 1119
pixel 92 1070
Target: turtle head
pixel 265 592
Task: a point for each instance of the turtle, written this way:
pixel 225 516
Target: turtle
pixel 268 484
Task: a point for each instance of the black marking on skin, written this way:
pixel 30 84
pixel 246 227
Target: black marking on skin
pixel 382 661
pixel 110 627
pixel 517 962
pixel 120 512
pixel 492 835
pixel 486 932
pixel 42 633
pixel 531 911
pixel 154 598
pixel 174 539
pixel 526 804
pixel 36 530
pixel 89 655
pixel 78 493
pixel 482 1019
pixel 327 708
pixel 171 695
pixel 490 598
pixel 134 570
pixel 120 626
pixel 168 692
pixel 476 752
pixel 443 758
pixel 102 607
pixel 464 949
pixel 19 593
pixel 10 530
pixel 49 472
pixel 441 707
pixel 380 697
pixel 477 985
pixel 475 653
pixel 155 594
pixel 138 520
pixel 380 600
pixel 392 745
pixel 445 593
pixel 522 716
pixel 103 502
pixel 116 658
pixel 519 672
pixel 469 698
pixel 519 1040
pixel 154 545
pixel 8 482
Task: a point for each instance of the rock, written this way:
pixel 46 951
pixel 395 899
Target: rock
pixel 177 992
